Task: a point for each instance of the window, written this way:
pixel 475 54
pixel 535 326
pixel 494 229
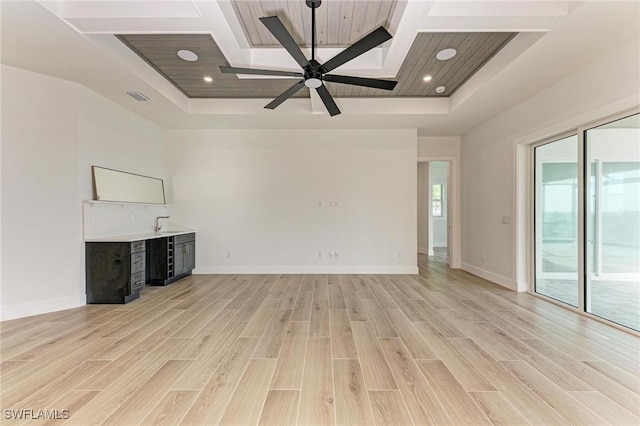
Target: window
pixel 436 200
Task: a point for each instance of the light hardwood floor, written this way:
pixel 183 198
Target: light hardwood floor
pixel 442 347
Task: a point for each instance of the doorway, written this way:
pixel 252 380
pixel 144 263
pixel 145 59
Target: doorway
pixel 438 185
pixel 437 192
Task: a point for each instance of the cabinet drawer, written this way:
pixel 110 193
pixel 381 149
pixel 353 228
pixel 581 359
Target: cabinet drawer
pixel 184 238
pixel 137 262
pixel 137 281
pixel 137 246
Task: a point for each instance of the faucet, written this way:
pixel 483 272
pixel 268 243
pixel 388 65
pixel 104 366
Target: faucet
pixel 158 226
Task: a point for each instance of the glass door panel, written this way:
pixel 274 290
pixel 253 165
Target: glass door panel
pixel 612 269
pixel 556 220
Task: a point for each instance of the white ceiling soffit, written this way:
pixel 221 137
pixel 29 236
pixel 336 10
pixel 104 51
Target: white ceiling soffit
pixel 99 20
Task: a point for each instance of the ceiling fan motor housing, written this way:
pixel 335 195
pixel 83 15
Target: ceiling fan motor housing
pixel 312 75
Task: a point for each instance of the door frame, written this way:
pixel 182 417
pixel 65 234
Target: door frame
pixel 453 207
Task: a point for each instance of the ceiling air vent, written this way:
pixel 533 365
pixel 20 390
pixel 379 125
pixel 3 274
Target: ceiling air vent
pixel 138 96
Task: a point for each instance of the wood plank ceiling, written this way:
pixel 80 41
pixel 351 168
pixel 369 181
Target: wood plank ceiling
pixel 474 50
pixel 338 23
pixel 159 50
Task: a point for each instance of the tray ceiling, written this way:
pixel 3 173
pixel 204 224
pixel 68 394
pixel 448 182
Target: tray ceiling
pixel 36 34
pixel 160 51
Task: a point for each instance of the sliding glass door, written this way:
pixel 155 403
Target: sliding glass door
pixel 556 220
pixel 586 227
pixel 612 267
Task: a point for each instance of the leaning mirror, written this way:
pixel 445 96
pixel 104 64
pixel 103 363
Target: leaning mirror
pixel 114 185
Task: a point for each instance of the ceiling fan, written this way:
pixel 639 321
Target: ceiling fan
pixel 315 73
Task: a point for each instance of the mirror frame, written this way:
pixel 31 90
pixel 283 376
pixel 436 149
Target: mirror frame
pixel 158 183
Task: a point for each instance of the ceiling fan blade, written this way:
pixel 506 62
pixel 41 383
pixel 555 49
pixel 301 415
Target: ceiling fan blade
pixel 279 31
pixel 255 71
pixel 328 101
pixel 359 81
pixel 366 43
pixel 286 95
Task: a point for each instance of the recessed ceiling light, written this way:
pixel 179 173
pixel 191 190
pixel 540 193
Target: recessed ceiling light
pixel 208 79
pixel 427 78
pixel 187 55
pixel 440 89
pixel 445 54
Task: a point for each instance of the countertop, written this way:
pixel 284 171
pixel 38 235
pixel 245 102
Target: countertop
pixel 138 237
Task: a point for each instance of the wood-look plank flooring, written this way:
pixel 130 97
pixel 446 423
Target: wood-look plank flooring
pixel 441 347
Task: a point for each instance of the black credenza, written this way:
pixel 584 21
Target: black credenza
pixel 116 271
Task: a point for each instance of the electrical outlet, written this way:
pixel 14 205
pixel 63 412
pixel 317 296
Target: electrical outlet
pixel 320 203
pixel 319 255
pixel 229 255
pixel 506 220
pixel 336 204
pixel 335 254
pixel 330 255
pixel 399 254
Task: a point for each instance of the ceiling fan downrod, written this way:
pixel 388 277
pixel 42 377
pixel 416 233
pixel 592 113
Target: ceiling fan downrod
pixel 313 78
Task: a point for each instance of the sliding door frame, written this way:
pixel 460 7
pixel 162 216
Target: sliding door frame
pixel 586 176
pixel 533 189
pixel 524 156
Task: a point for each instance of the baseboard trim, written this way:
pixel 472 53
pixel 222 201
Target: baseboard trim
pixel 490 276
pixel 523 286
pixel 310 269
pixel 42 307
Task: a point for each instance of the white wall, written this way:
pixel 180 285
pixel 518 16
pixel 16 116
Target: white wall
pixel 41 221
pixel 52 131
pixel 112 137
pixel 439 146
pixel 488 155
pixel 256 194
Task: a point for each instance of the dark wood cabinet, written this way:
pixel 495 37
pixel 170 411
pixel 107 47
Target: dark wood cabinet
pixel 118 270
pixel 115 271
pixel 170 258
pixel 185 254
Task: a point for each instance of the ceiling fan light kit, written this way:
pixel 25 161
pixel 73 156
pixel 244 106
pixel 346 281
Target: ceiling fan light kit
pixel 315 74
